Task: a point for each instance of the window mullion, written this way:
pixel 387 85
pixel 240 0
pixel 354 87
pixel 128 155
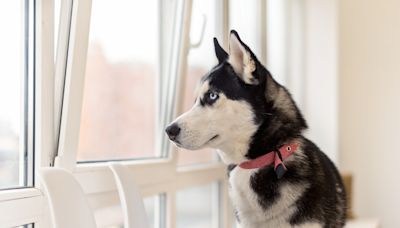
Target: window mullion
pixel 176 72
pixel 60 66
pixel 74 84
pixel 44 82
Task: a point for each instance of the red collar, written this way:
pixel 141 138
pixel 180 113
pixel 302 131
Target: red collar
pixel 276 157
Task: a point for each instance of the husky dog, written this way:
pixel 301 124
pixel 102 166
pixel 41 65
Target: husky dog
pixel 252 120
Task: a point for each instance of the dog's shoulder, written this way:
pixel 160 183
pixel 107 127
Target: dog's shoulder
pixel 325 198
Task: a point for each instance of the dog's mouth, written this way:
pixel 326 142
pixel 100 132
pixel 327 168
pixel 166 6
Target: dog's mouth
pixel 210 140
pixel 214 137
pixel 179 144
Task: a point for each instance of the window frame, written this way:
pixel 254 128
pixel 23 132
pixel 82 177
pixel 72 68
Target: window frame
pixel 26 134
pixel 26 205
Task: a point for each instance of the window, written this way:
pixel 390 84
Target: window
pixel 197 207
pixel 15 95
pixel 149 205
pixel 128 86
pixel 111 216
pixel 119 101
pixel 286 49
pixel 200 60
pixel 20 202
pixel 245 17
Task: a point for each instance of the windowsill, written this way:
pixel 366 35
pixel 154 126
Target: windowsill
pixel 98 166
pixel 19 193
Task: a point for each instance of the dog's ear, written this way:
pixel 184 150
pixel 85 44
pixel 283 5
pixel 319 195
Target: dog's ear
pixel 242 59
pixel 219 51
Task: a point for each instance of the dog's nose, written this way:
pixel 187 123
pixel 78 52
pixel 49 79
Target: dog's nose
pixel 173 131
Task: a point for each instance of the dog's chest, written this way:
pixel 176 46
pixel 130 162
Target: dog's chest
pixel 248 208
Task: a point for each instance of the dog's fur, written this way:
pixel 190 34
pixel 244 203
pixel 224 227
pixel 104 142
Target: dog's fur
pixel 244 113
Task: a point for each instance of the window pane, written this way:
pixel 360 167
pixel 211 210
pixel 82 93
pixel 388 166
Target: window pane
pixel 285 44
pixel 118 114
pixel 244 17
pixel 13 93
pixel 150 207
pixel 57 11
pixel 197 207
pixel 200 61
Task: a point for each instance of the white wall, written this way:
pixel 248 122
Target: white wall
pixel 369 119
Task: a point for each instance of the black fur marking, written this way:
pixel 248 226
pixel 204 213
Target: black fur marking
pixel 219 51
pixel 202 103
pixel 266 186
pixel 236 215
pixel 230 168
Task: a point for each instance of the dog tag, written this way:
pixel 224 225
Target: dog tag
pixel 280 171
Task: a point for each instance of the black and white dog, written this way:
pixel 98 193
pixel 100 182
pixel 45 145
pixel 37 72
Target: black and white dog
pixel 277 177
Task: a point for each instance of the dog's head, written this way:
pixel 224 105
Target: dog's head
pixel 238 107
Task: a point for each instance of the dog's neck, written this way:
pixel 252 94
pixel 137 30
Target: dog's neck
pixel 233 153
pixel 269 137
pixel 282 123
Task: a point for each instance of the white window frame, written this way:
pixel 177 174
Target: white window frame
pixel 27 205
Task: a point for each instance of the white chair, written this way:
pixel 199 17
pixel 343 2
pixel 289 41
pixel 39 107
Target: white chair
pixel 131 200
pixel 68 204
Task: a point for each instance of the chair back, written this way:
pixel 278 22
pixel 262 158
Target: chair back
pixel 131 200
pixel 68 204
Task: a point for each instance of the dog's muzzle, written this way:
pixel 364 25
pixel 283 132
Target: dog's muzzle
pixel 173 131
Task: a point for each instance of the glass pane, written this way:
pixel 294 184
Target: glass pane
pixel 118 112
pixel 285 44
pixel 57 11
pixel 244 17
pixel 150 207
pixel 196 207
pixel 200 61
pixel 13 92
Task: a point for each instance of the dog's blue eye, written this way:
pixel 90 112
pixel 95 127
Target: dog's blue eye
pixel 209 98
pixel 213 96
